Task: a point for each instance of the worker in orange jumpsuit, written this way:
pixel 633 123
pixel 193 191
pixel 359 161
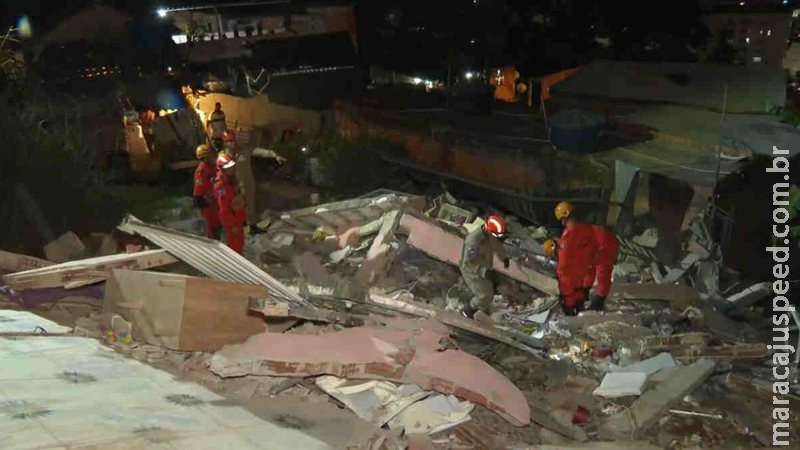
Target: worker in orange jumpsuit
pixel 232 211
pixel 585 252
pixel 229 143
pixel 203 193
pixel 601 266
pixel 576 249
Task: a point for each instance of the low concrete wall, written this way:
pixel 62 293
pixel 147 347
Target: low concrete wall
pixel 259 112
pixel 447 155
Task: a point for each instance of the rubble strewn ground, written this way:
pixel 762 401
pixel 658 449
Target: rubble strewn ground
pixel 351 338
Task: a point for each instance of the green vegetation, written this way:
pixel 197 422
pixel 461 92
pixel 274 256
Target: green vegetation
pixel 51 177
pixel 346 166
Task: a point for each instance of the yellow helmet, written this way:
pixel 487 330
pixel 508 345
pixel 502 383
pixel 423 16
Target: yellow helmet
pixel 550 248
pixel 202 151
pixel 563 210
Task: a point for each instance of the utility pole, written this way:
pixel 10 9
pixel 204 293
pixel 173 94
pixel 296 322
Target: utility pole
pixel 449 85
pixel 719 153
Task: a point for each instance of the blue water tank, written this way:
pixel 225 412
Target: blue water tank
pixel 576 131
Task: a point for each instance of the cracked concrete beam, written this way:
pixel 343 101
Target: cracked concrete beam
pixel 445 246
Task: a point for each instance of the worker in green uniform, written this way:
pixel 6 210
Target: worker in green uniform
pixel 477 258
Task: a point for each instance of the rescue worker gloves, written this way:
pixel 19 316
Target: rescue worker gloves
pixel 496 226
pixel 563 210
pixel 225 161
pixel 549 247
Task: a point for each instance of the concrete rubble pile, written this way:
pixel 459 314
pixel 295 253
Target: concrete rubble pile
pixel 355 303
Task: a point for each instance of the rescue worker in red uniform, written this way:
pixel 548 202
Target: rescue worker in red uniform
pixel 203 193
pixel 585 252
pixel 232 211
pixel 602 266
pixel 229 143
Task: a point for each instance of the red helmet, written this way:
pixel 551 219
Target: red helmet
pixel 496 226
pixel 225 161
pixel 228 136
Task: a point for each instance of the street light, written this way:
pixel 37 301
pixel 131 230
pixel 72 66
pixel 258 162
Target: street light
pixel 469 75
pixel 162 13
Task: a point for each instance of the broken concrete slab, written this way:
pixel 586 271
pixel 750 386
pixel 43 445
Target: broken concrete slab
pixel 87 271
pixel 621 384
pixel 645 411
pixel 616 445
pixel 586 319
pixel 309 267
pixel 651 365
pixel 382 252
pixel 616 332
pixel 67 247
pixel 465 376
pixel 401 351
pixel 438 243
pixel 751 295
pixel 679 297
pixel 279 310
pixel 338 217
pixel 519 341
pixel 676 273
pixel 12 262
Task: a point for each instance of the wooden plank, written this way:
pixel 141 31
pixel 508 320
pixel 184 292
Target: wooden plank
pixel 12 262
pixel 60 275
pixel 271 309
pixel 153 307
pixel 217 313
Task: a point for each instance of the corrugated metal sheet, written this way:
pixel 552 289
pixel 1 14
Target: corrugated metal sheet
pixel 213 258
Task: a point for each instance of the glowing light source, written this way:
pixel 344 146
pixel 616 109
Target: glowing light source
pixel 304 149
pixel 24 26
pixel 469 75
pixel 416 80
pixel 162 12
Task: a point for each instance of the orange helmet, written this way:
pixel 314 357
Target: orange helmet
pixel 225 161
pixel 496 226
pixel 563 210
pixel 549 247
pixel 228 136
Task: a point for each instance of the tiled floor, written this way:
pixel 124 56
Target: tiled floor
pixel 72 392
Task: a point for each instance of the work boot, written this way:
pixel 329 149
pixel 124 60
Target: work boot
pixel 598 303
pixel 569 310
pixel 468 312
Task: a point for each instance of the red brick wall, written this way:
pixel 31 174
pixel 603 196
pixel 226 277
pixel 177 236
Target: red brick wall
pixel 424 150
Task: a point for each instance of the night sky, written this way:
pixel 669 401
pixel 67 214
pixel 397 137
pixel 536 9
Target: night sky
pixel 423 36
